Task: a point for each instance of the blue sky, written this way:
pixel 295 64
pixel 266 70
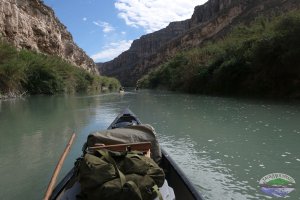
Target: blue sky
pixel 106 28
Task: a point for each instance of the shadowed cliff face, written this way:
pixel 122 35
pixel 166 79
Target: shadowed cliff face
pixel 32 25
pixel 140 50
pixel 209 21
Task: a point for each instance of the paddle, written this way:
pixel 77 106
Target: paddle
pixel 58 168
pixel 140 146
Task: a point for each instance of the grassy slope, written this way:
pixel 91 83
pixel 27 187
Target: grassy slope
pixel 258 60
pixel 27 71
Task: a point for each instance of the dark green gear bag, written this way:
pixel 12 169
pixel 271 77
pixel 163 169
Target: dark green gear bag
pixel 113 175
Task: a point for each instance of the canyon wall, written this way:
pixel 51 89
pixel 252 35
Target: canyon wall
pixel 32 25
pixel 209 21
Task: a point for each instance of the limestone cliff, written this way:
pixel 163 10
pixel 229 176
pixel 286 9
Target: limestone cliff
pixel 32 25
pixel 209 21
pixel 140 50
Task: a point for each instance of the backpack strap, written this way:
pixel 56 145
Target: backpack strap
pixel 110 159
pixel 132 154
pixel 122 177
pixel 156 189
pixel 135 188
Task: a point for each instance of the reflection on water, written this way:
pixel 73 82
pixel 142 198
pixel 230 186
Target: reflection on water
pixel 224 145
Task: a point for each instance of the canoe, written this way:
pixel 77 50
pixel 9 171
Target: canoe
pixel 175 177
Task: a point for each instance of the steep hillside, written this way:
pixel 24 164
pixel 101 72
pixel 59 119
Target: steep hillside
pixel 29 24
pixel 140 50
pixel 209 21
pixel 258 59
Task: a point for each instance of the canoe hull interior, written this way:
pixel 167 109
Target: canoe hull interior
pixel 181 185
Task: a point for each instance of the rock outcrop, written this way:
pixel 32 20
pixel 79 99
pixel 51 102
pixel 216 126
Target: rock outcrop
pixel 209 21
pixel 32 25
pixel 141 49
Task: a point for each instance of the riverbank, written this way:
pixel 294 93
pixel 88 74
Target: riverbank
pixel 24 71
pixel 261 59
pixel 11 95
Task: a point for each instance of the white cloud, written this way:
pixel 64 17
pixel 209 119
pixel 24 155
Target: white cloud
pixel 123 33
pixel 153 15
pixel 112 50
pixel 84 19
pixel 106 27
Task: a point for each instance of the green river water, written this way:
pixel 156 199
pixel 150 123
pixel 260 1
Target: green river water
pixel 224 145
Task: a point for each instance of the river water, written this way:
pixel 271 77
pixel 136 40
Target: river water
pixel 224 145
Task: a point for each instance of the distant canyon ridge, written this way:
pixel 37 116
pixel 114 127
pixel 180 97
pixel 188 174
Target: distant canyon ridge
pixel 30 24
pixel 210 21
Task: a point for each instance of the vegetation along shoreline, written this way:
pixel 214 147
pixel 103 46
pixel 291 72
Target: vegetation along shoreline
pixel 26 72
pixel 261 59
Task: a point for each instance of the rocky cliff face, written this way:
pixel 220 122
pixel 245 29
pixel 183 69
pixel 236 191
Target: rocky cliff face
pixel 140 50
pixel 209 21
pixel 32 25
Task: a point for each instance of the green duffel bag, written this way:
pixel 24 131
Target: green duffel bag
pixel 112 175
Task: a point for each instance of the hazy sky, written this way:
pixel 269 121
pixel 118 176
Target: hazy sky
pixel 106 28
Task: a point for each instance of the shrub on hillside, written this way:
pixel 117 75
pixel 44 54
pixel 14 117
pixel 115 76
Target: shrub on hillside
pixel 260 59
pixel 41 74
